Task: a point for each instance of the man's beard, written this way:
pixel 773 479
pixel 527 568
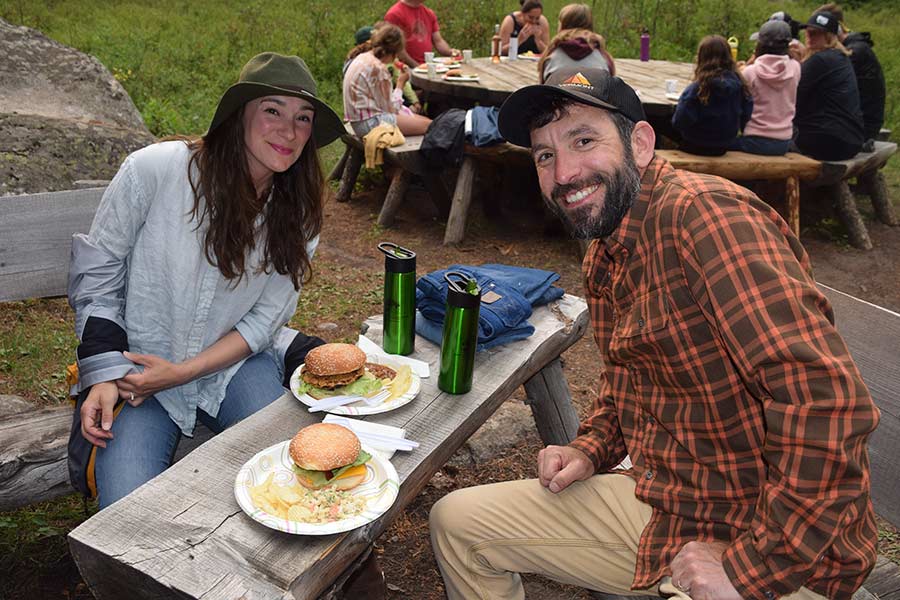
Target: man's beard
pixel 621 190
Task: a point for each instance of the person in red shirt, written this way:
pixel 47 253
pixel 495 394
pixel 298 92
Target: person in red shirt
pixel 724 382
pixel 420 26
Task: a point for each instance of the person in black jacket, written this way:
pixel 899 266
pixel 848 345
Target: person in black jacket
pixel 828 119
pixel 716 106
pixel 869 76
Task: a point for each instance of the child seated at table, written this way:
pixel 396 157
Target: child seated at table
pixel 369 98
pixel 772 76
pixel 716 106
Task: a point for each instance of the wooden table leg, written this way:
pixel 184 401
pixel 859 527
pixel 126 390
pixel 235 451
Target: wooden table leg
pixel 551 405
pixel 351 172
pixel 847 212
pixel 873 184
pixel 462 198
pixel 394 198
pixel 338 169
pixel 792 203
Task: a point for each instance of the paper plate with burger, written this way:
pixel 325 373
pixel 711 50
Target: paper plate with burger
pixel 344 369
pixel 321 482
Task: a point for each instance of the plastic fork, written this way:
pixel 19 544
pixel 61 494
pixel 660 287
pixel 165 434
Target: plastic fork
pixel 336 401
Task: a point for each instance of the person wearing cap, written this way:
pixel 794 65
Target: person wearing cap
pixel 772 77
pixel 724 381
pixel 869 75
pixel 796 49
pixel 193 264
pixel 829 119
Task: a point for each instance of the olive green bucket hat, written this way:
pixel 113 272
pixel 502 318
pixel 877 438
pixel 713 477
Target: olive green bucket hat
pixel 271 74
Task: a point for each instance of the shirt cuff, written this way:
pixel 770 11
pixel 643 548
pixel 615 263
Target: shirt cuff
pixel 749 573
pixel 588 445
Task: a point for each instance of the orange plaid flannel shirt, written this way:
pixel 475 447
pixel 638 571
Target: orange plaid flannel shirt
pixel 727 384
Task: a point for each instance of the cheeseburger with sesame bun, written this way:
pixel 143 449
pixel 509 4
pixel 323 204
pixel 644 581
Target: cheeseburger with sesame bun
pixel 339 369
pixel 328 456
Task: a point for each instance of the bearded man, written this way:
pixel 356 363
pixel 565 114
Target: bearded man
pixel 725 382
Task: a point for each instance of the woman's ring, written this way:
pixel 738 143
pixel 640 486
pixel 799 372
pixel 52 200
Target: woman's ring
pixel 132 400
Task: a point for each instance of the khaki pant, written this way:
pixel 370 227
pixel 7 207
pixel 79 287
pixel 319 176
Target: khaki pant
pixel 587 535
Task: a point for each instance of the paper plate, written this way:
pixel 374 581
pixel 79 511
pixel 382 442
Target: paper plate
pixel 380 489
pixel 360 408
pixel 460 78
pixel 437 68
pixel 447 60
pixel 673 96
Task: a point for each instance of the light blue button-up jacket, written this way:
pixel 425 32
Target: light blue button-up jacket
pixel 143 266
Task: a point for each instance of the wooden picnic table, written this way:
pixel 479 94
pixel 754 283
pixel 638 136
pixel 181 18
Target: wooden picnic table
pixel 183 535
pixel 497 81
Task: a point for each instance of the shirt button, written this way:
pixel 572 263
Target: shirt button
pixel 641 322
pixel 650 420
pixel 769 594
pixel 649 475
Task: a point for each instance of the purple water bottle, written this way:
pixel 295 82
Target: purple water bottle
pixel 645 45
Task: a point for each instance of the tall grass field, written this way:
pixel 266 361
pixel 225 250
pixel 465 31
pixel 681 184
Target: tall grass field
pixel 176 57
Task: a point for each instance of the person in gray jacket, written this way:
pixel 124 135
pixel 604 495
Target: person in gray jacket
pixel 193 264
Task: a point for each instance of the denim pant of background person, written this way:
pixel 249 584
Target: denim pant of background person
pixel 757 144
pixel 146 438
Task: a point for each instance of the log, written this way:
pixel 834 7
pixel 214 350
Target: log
pixel 792 203
pixel 848 214
pixel 874 185
pixel 33 457
pixel 462 198
pixel 351 172
pixel 33 451
pixel 551 404
pixel 338 169
pixel 394 198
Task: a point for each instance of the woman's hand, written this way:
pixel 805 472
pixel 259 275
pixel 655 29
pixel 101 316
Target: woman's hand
pixel 97 413
pixel 402 77
pixel 159 374
pixel 527 31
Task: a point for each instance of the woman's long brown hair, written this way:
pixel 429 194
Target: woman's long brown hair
pixel 713 61
pixel 225 198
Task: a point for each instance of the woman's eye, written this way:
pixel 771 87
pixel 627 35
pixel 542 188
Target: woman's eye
pixel 272 111
pixel 305 118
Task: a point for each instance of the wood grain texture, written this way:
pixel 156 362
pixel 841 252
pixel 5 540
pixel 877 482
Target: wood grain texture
pixel 848 214
pixel 745 166
pixel 394 198
pixel 551 404
pixel 183 535
pixel 36 240
pixel 871 334
pixel 836 171
pixel 497 81
pixel 462 198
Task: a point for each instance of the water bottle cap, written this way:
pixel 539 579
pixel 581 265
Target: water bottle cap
pixel 463 292
pixel 397 259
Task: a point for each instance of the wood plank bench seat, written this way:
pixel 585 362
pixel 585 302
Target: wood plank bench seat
pixel 741 166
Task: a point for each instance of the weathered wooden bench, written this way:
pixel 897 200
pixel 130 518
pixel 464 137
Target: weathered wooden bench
pixel 865 167
pixel 872 334
pixel 35 243
pixel 182 535
pixel 741 166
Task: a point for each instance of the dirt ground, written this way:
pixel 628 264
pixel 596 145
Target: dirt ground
pixel 524 235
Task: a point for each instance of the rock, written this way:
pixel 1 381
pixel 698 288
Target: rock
pixel 63 116
pixel 506 428
pixel 327 326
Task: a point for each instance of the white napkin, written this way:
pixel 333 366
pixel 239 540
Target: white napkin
pixel 372 434
pixel 418 367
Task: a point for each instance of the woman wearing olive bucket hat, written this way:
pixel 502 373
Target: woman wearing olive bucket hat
pixel 193 264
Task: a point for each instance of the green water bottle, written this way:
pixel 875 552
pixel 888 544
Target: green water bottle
pixel 399 334
pixel 460 333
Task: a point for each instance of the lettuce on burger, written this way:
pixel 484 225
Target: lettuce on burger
pixel 326 455
pixel 339 369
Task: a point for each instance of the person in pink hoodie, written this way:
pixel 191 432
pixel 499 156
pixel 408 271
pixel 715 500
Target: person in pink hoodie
pixel 772 77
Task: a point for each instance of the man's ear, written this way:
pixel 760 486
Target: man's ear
pixel 643 139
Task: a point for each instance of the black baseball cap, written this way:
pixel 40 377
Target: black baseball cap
pixel 594 87
pixel 823 20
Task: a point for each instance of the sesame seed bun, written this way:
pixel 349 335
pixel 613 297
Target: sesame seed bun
pixel 324 446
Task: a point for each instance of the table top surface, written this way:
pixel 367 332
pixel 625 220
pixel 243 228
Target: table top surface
pixel 184 530
pixel 497 81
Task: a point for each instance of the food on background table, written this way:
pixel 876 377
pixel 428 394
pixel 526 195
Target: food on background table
pixel 326 455
pixel 454 73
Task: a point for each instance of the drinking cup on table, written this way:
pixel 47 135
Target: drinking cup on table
pixel 671 86
pixel 432 70
pixel 467 56
pixel 429 57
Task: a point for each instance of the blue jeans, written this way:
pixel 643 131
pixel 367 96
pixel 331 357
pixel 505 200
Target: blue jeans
pixel 756 144
pixel 146 438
